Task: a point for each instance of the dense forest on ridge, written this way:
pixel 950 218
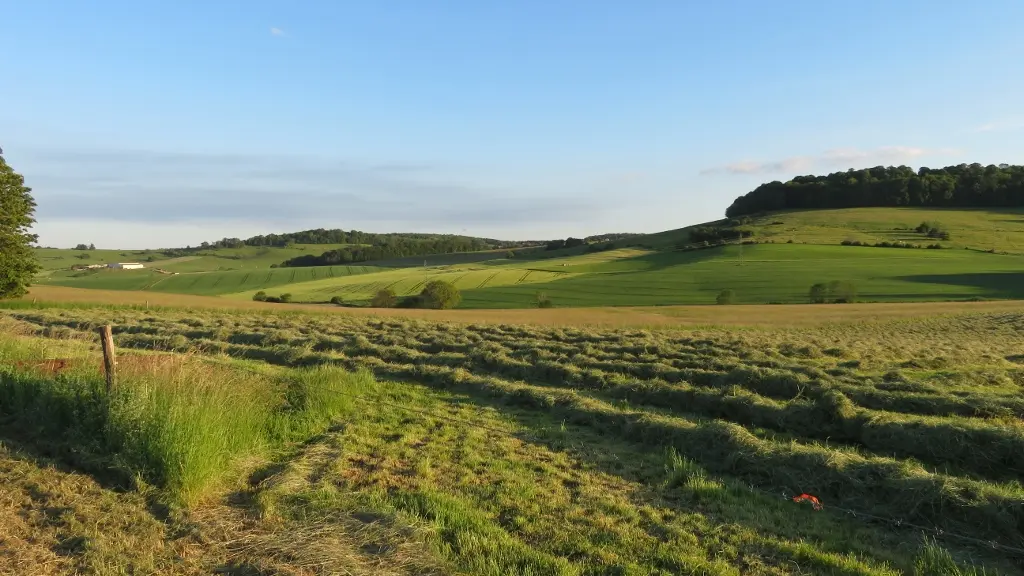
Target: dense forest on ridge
pixel 964 186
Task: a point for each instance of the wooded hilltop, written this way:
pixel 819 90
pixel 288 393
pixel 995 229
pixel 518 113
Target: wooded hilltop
pixel 965 185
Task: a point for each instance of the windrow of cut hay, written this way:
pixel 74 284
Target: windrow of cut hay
pixel 775 409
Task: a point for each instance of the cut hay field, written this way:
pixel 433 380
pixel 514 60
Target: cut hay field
pixel 740 316
pixel 510 449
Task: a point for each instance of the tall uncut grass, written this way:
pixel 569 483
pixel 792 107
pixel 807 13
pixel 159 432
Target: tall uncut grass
pixel 184 425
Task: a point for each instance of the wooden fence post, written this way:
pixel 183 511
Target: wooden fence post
pixel 109 360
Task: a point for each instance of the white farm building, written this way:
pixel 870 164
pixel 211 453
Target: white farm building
pixel 125 265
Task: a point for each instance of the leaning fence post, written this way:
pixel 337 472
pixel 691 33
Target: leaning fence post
pixel 109 361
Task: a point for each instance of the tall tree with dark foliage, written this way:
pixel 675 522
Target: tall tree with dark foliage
pixel 17 207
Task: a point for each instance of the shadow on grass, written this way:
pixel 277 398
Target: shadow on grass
pixel 60 420
pixel 992 284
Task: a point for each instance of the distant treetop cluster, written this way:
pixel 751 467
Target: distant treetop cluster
pixel 965 185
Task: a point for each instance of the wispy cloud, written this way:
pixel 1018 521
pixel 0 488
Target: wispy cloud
pixel 1011 124
pixel 835 158
pixel 277 32
pixel 158 187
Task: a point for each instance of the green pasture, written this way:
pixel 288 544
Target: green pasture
pixel 983 258
pixel 984 229
pixel 206 283
pixel 407 281
pixel 766 273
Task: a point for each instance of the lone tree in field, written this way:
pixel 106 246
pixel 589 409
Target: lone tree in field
pixel 818 293
pixel 384 299
pixel 541 300
pixel 725 297
pixel 842 292
pixel 440 295
pixel 17 262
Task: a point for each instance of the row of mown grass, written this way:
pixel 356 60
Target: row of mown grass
pixel 957 472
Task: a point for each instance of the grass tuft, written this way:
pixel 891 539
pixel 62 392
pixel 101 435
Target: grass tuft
pixel 181 426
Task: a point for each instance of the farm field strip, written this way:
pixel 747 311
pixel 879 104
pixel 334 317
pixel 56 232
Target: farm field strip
pixel 405 281
pixel 206 283
pixel 928 431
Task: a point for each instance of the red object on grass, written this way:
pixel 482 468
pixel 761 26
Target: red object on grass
pixel 807 497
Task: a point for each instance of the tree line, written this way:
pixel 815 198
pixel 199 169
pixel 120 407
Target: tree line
pixel 338 236
pixel 403 245
pixel 964 185
pixel 395 247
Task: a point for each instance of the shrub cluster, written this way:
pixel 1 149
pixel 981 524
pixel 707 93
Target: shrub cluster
pixel 886 244
pixel 262 296
pixel 717 234
pixel 835 292
pixel 436 295
pixel 725 297
pixel 933 230
pixel 384 299
pixel 542 300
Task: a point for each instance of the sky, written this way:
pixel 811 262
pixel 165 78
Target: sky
pixel 145 124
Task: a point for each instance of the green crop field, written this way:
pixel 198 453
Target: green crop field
pixel 768 273
pixel 791 251
pixel 63 259
pixel 408 281
pixel 207 260
pixel 758 274
pixel 205 283
pixel 503 449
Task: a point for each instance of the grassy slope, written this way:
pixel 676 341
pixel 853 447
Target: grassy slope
pixel 775 272
pixel 571 474
pixel 758 274
pixel 207 284
pixel 475 276
pixel 983 229
pixel 245 258
pixel 767 273
pixel 52 259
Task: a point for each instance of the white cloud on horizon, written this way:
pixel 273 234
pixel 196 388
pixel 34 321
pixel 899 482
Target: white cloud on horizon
pixel 138 198
pixel 1011 124
pixel 836 158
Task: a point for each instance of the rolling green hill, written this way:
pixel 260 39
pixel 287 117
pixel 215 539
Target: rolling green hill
pixel 768 273
pixel 205 283
pixel 206 260
pixel 1001 229
pixel 785 254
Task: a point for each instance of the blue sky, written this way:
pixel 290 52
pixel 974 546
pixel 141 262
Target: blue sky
pixel 145 126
